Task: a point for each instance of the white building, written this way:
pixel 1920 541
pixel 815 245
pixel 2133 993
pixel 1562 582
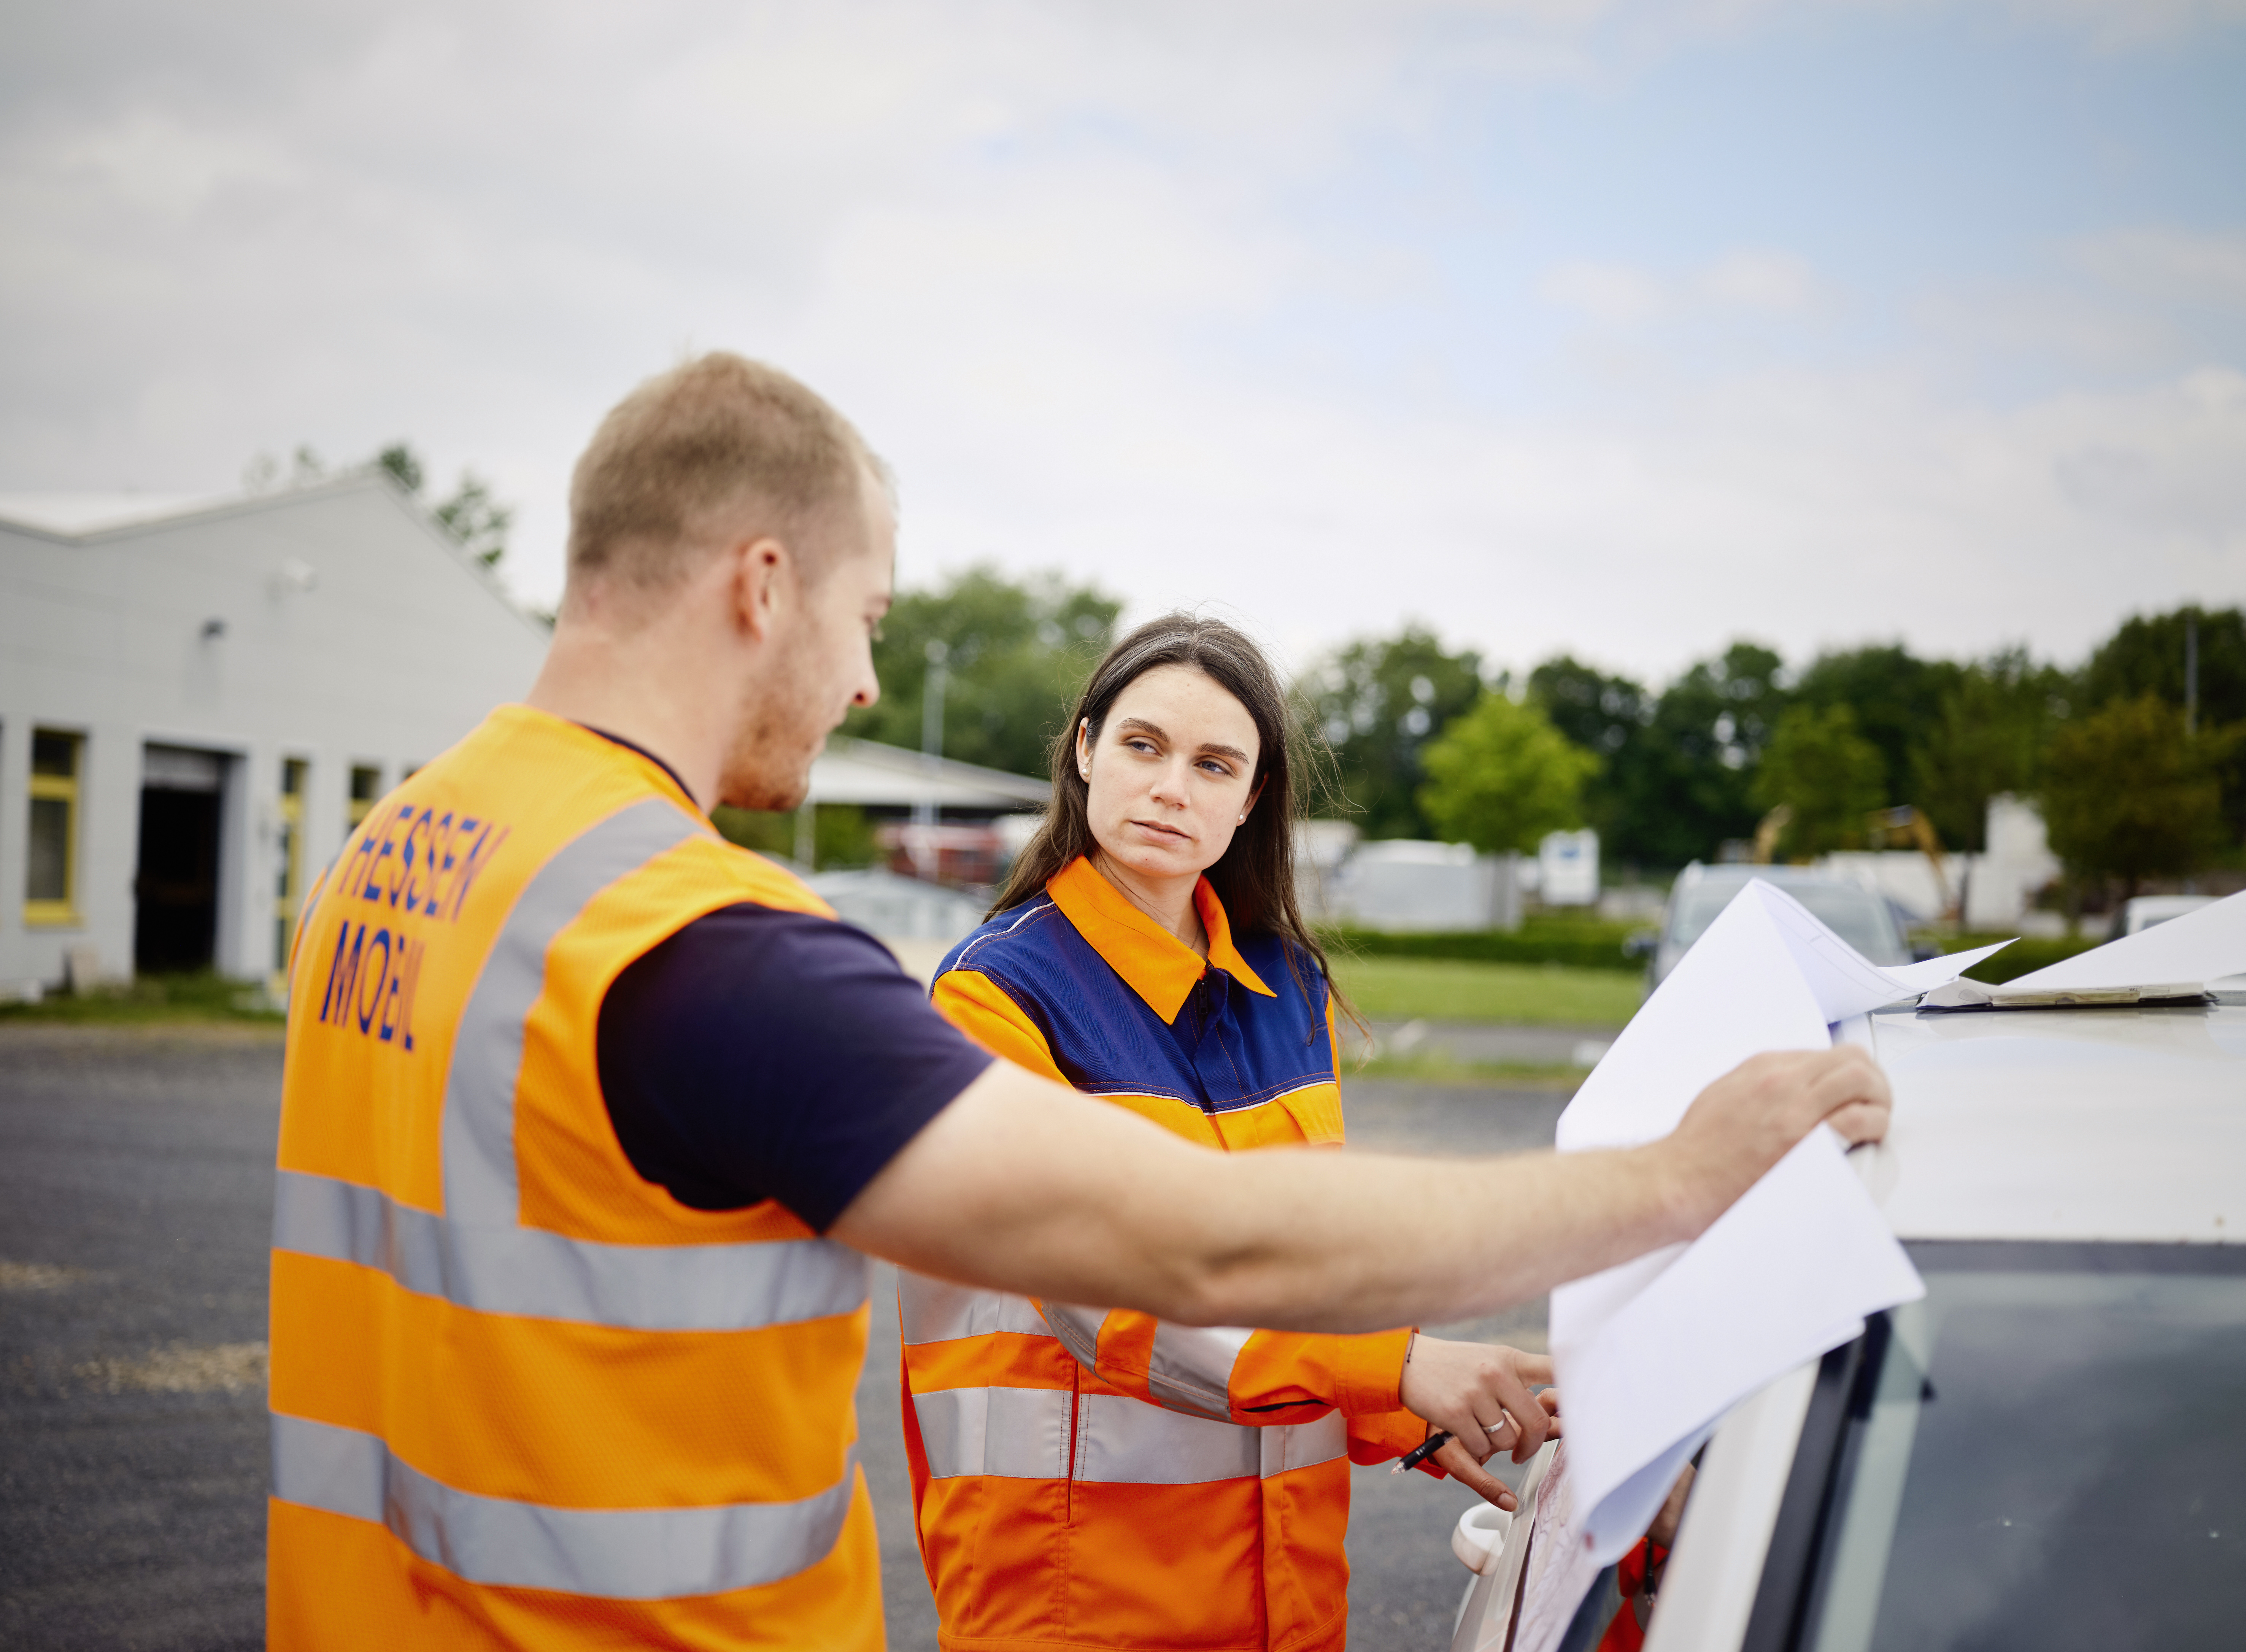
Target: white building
pixel 1405 884
pixel 198 698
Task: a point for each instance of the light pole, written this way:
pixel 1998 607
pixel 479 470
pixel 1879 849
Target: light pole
pixel 931 754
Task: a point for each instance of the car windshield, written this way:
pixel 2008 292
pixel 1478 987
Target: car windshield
pixel 1858 916
pixel 2049 1450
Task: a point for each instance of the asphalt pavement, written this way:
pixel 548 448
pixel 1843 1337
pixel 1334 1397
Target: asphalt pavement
pixel 135 1205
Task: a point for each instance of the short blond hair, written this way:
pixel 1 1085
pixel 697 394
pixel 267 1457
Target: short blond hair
pixel 713 435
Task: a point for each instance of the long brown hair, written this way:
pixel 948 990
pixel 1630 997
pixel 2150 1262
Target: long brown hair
pixel 1255 877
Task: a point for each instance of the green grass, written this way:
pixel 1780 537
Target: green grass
pixel 1525 995
pixel 150 1000
pixel 1581 940
pixel 1495 1075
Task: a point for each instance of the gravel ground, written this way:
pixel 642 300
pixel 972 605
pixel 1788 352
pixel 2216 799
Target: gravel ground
pixel 135 1201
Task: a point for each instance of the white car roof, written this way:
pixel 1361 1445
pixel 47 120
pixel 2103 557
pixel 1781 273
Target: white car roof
pixel 2077 1124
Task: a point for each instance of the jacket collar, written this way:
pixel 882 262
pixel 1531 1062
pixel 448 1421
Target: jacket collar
pixel 1158 966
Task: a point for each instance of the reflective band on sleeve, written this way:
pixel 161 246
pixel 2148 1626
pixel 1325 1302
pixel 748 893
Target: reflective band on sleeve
pixel 936 1310
pixel 1017 1433
pixel 531 1272
pixel 628 1554
pixel 1129 1442
pixel 479 1131
pixel 1190 1369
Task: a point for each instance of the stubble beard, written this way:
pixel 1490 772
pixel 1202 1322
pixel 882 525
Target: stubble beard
pixel 783 728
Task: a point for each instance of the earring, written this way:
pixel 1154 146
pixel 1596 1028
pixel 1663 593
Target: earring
pixel 1244 820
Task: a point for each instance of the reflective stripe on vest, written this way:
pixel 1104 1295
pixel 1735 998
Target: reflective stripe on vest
pixel 1022 1433
pixel 479 1129
pixel 628 1554
pixel 477 1255
pixel 547 1275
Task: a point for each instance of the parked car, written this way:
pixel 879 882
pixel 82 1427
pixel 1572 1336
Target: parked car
pixel 1861 916
pixel 2146 910
pixel 2049 1450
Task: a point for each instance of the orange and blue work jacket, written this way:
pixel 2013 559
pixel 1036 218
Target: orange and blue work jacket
pixel 1089 1479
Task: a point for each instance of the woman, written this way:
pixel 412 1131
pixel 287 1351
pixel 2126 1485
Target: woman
pixel 1086 1478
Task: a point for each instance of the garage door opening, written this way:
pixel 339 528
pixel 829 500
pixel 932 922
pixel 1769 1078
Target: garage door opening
pixel 175 878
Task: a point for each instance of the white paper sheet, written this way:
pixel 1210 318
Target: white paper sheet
pixel 1652 1353
pixel 2189 951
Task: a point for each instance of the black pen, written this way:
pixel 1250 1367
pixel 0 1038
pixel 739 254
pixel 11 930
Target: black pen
pixel 1420 1453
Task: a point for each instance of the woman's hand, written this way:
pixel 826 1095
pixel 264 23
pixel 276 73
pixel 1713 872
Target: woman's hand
pixel 1478 1394
pixel 1452 1458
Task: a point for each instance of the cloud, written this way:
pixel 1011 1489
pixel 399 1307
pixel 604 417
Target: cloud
pixel 2171 264
pixel 1622 296
pixel 1611 295
pixel 1774 281
pixel 1204 303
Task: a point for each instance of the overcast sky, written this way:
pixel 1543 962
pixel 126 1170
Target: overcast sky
pixel 1619 329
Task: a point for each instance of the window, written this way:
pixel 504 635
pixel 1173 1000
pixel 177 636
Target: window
pixel 288 874
pixel 365 787
pixel 50 877
pixel 2048 1451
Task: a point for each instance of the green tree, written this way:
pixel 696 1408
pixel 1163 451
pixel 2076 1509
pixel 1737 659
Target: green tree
pixel 469 513
pixel 1016 655
pixel 1685 785
pixel 403 464
pixel 1991 736
pixel 1379 701
pixel 1607 716
pixel 1896 698
pixel 2147 656
pixel 1501 777
pixel 477 520
pixel 1818 765
pixel 2127 795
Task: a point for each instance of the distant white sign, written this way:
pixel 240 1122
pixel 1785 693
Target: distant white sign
pixel 1568 868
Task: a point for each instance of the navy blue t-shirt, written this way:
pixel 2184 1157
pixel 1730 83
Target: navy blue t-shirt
pixel 760 1054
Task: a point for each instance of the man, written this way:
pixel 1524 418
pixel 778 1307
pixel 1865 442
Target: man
pixel 590 1118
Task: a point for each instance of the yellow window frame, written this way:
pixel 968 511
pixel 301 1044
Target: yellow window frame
pixel 295 775
pixel 357 808
pixel 62 788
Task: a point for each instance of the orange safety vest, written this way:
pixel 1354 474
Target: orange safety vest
pixel 1089 1479
pixel 521 1396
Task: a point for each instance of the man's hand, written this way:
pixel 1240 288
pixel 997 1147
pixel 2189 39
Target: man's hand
pixel 1751 1117
pixel 1478 1394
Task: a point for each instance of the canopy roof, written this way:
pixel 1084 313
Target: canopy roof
pixel 864 771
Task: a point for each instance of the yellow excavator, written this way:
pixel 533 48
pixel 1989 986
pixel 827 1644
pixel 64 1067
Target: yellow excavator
pixel 1903 826
pixel 1767 830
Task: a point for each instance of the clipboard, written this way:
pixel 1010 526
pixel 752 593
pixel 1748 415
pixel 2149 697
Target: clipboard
pixel 1492 1600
